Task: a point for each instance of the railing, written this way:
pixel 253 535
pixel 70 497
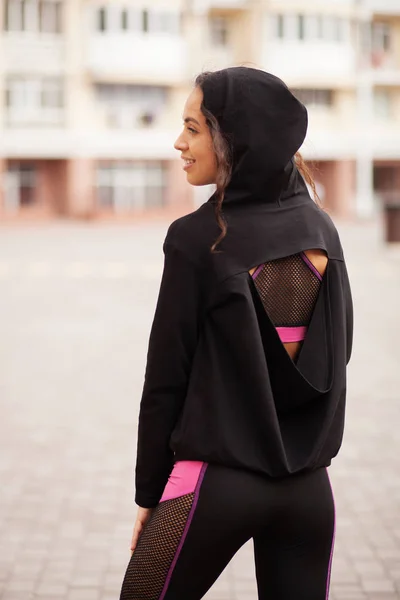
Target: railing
pixel 149 57
pixel 383 7
pixel 229 4
pixel 312 58
pixel 35 117
pixel 29 53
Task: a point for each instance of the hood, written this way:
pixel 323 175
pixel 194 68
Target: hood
pixel 264 124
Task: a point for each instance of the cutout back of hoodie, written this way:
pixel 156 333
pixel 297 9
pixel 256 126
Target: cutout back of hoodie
pixel 288 288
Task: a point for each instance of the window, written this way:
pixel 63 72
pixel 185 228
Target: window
pixel 126 186
pixel 290 26
pixel 313 27
pixel 21 185
pixel 34 100
pixel 332 28
pixel 124 20
pixel 132 105
pixel 42 16
pixel 301 27
pixel 135 19
pixel 128 18
pixel 381 37
pixel 31 16
pixel 382 104
pixel 27 174
pixel 363 32
pixel 164 22
pixel 219 31
pixel 308 27
pixel 338 29
pixel 102 19
pixel 280 26
pixel 14 15
pixel 51 94
pixel 50 17
pixel 314 97
pixel 276 26
pixel 145 21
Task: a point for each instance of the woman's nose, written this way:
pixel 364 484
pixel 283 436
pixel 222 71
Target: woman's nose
pixel 180 144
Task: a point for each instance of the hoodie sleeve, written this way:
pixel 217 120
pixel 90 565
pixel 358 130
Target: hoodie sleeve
pixel 172 343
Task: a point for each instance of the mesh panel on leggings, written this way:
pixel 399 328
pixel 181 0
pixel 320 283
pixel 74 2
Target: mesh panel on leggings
pixel 288 289
pixel 156 548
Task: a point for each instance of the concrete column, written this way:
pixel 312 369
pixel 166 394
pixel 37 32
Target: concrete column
pixel 78 87
pixel 196 34
pixel 365 206
pixel 250 35
pixel 53 186
pixel 2 184
pixel 344 188
pixel 80 198
pixel 337 183
pixel 2 69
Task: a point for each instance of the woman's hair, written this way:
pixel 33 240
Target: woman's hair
pixel 223 154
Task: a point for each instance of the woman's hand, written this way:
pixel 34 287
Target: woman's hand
pixel 142 517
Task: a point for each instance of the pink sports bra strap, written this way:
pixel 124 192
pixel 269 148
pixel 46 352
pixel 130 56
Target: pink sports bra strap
pixel 310 265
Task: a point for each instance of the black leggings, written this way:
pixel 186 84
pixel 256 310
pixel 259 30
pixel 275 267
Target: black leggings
pixel 189 540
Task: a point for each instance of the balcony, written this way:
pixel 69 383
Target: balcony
pixel 213 59
pixel 383 7
pixel 201 7
pixel 338 143
pixel 147 58
pixel 310 66
pixel 60 143
pixel 228 4
pixel 33 53
pixel 16 117
pixel 379 68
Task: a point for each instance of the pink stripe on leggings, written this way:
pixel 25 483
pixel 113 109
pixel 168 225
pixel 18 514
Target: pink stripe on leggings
pixel 183 479
pixel 185 531
pixel 333 541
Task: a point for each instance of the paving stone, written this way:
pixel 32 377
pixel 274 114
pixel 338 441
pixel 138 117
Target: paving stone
pixel 84 594
pixel 68 419
pixel 369 569
pixel 26 585
pixel 17 596
pixel 49 590
pixel 378 585
pixel 87 581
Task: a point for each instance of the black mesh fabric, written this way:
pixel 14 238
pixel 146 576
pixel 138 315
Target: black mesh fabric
pixel 288 289
pixel 150 563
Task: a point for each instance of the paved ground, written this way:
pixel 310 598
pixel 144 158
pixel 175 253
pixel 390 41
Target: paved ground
pixel 76 306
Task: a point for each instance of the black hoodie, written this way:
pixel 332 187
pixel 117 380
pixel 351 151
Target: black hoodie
pixel 220 386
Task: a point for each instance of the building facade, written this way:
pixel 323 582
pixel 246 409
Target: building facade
pixel 92 92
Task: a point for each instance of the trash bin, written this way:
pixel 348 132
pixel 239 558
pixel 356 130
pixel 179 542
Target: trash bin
pixel 392 220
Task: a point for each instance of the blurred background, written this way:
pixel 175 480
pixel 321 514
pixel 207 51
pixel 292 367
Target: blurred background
pixel 92 97
pixel 91 101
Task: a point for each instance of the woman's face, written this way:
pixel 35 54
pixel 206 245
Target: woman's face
pixel 195 143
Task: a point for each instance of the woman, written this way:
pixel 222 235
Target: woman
pixel 244 394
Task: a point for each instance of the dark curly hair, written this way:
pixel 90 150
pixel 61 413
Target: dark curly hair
pixel 223 154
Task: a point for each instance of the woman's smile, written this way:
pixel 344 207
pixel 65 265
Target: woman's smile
pixel 187 163
pixel 196 140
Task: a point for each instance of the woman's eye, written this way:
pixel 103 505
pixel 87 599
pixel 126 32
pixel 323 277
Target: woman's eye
pixel 192 130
